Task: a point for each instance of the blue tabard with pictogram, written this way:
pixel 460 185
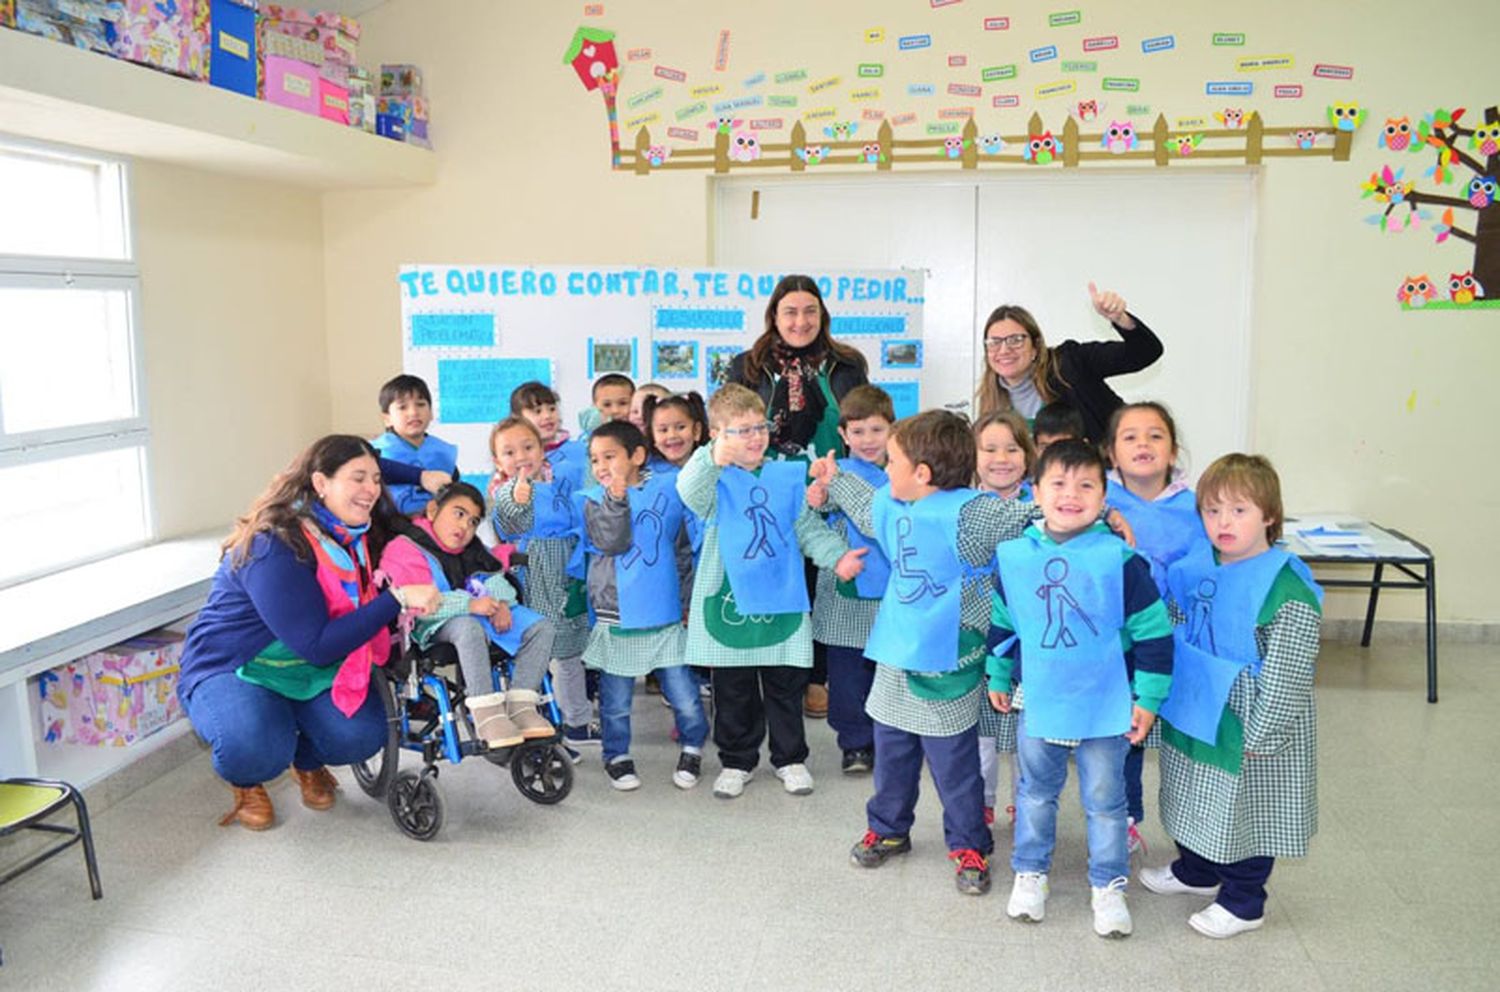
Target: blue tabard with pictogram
pixel 917 625
pixel 646 575
pixel 1165 529
pixel 433 455
pixel 1067 605
pixel 871 581
pixel 509 640
pixel 756 515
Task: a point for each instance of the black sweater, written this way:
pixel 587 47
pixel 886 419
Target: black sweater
pixel 1084 365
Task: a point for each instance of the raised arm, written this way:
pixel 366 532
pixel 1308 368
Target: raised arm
pixel 698 482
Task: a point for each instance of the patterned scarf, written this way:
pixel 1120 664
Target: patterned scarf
pixel 797 404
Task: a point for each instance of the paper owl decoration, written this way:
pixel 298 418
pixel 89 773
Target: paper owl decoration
pixel 953 147
pixel 1183 144
pixel 657 154
pixel 991 144
pixel 871 153
pixel 1346 116
pixel 1415 291
pixel 1481 191
pixel 1230 117
pixel 744 147
pixel 1305 139
pixel 1486 139
pixel 1087 110
pixel 1396 135
pixel 724 125
pixel 841 131
pixel 1463 288
pixel 812 154
pixel 1042 149
pixel 1119 137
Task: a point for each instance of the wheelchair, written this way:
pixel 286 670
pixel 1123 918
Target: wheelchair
pixel 425 711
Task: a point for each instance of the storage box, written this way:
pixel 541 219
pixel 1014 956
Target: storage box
pixel 402 80
pixel 114 697
pixel 390 127
pixel 81 23
pixel 232 48
pixel 7 13
pixel 289 46
pixel 336 36
pixel 333 101
pixel 171 36
pixel 294 84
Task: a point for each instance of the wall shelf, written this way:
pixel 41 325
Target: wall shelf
pixel 54 92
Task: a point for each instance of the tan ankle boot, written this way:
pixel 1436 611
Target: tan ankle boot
pixel 520 706
pixel 318 787
pixel 252 808
pixel 490 721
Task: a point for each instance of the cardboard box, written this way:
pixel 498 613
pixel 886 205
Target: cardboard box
pixel 232 59
pixel 172 37
pixel 289 46
pixel 333 101
pixel 336 36
pixel 402 80
pixel 390 127
pixel 294 84
pixel 114 697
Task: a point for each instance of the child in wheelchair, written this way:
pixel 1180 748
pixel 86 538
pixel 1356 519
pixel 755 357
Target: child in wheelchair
pixel 478 608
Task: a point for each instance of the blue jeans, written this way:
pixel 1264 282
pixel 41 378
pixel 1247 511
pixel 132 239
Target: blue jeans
pixel 255 733
pixel 677 684
pixel 1135 766
pixel 1101 790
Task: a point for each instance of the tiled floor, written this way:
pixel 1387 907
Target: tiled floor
pixel 668 890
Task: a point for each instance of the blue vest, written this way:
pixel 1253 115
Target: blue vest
pixel 917 625
pixel 509 641
pixel 871 582
pixel 1067 602
pixel 1221 603
pixel 435 455
pixel 554 513
pixel 691 520
pixel 756 514
pixel 1165 529
pixel 646 575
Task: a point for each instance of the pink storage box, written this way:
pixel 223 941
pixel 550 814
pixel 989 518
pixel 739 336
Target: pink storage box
pixel 294 84
pixel 290 46
pixel 173 37
pixel 114 697
pixel 336 36
pixel 333 101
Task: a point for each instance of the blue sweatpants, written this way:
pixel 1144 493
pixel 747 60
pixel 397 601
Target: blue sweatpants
pixel 954 762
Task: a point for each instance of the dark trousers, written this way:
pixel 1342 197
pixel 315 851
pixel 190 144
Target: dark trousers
pixel 1135 764
pixel 955 771
pixel 748 702
pixel 1242 884
pixel 850 674
pixel 819 673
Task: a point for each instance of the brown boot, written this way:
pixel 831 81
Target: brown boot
pixel 252 808
pixel 520 707
pixel 815 704
pixel 490 722
pixel 318 787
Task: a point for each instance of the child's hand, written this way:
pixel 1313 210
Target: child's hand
pixel 817 495
pixel 1111 306
pixel 851 564
pixel 432 481
pixel 722 451
pixel 483 606
pixel 522 491
pixel 823 469
pixel 421 599
pixel 1121 526
pixel 616 488
pixel 501 619
pixel 1000 701
pixel 1141 720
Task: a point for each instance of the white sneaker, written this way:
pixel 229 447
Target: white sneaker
pixel 796 779
pixel 1111 915
pixel 1217 922
pixel 1164 881
pixel 731 783
pixel 1028 897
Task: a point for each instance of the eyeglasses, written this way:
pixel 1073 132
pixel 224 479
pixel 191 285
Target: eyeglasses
pixel 1011 342
pixel 749 431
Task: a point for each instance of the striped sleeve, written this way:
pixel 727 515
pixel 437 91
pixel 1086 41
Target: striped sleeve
pixel 1147 635
pixel 1000 665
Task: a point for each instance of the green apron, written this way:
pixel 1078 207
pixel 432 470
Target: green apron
pixel 277 668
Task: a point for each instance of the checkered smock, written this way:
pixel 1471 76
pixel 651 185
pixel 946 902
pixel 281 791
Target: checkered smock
pixel 837 619
pixel 546 574
pixel 1270 809
pixel 982 524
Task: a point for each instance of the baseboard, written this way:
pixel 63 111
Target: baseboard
pixel 1349 631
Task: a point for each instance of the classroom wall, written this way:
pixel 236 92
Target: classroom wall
pixel 1362 407
pixel 235 352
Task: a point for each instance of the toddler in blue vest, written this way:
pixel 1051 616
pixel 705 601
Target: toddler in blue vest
pixel 928 639
pixel 611 394
pixel 406 408
pixel 1239 756
pixel 640 568
pixel 1079 625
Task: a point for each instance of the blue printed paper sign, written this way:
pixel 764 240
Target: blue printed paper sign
pixel 904 397
pixel 477 390
pixel 453 330
pixel 1044 54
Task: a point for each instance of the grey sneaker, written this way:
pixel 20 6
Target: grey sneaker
pixel 731 783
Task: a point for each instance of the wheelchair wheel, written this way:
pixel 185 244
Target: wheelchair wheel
pixel 542 772
pixel 416 805
pixel 375 773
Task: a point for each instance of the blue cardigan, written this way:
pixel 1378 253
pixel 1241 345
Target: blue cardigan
pixel 272 596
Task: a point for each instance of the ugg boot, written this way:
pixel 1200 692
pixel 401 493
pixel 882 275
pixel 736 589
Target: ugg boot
pixel 490 721
pixel 520 706
pixel 318 787
pixel 252 808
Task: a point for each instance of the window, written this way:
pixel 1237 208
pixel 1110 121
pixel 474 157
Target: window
pixel 73 436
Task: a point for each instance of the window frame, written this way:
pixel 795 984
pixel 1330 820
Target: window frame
pixel 58 272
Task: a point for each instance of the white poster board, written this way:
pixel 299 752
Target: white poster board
pixel 475 332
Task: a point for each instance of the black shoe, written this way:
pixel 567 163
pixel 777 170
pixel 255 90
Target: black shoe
pixel 689 768
pixel 873 850
pixel 971 871
pixel 622 774
pixel 858 761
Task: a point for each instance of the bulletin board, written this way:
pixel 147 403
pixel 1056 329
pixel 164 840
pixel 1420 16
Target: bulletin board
pixel 475 332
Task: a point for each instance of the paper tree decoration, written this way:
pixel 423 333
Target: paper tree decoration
pixel 1439 134
pixel 591 53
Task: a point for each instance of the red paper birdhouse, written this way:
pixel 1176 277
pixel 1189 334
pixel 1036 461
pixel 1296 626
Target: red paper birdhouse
pixel 592 55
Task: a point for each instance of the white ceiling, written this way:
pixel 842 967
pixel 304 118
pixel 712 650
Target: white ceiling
pixel 351 8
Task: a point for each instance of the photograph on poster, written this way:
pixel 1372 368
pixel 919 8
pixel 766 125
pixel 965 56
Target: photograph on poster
pixel 716 359
pixel 901 354
pixel 674 360
pixel 612 356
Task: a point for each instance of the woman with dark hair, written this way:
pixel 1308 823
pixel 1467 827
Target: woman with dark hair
pixel 800 371
pixel 277 666
pixel 1024 374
